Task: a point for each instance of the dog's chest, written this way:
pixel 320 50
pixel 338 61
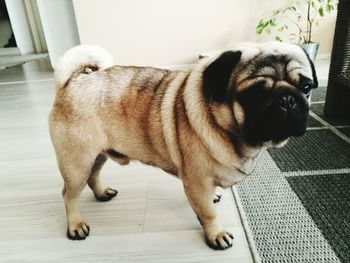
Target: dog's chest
pixel 228 175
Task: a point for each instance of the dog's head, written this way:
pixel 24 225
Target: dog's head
pixel 267 86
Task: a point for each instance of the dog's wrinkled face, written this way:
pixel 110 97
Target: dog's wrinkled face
pixel 268 86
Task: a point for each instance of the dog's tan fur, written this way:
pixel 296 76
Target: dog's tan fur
pixel 159 117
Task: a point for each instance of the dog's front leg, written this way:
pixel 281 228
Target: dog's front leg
pixel 199 190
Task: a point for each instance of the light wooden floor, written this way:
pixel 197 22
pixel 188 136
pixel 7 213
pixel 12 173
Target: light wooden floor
pixel 149 221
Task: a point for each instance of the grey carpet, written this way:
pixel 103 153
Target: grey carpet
pixel 327 200
pixel 296 205
pixel 316 150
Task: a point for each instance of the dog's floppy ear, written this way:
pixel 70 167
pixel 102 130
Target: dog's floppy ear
pixel 312 69
pixel 313 72
pixel 217 75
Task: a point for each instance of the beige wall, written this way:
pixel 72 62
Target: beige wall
pixel 164 32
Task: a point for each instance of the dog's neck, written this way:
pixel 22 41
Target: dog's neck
pixel 223 144
pixel 228 121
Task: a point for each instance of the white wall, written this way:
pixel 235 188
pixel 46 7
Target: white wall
pixel 164 32
pixel 324 33
pixel 20 26
pixel 59 25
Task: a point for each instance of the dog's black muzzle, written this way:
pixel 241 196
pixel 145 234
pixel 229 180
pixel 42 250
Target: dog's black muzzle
pixel 293 115
pixel 285 116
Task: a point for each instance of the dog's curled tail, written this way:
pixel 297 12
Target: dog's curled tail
pixel 81 59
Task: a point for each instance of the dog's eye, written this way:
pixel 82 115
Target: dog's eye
pixel 306 88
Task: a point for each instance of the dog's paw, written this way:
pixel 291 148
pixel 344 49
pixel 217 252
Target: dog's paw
pixel 78 232
pixel 220 241
pixel 217 197
pixel 106 195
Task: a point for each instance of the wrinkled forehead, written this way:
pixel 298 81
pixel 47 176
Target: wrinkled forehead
pixel 278 61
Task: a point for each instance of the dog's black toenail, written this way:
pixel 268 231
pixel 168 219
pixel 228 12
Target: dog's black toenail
pixel 210 244
pixel 111 194
pixel 218 244
pixel 69 235
pixel 227 241
pixel 77 236
pixel 86 232
pixel 217 199
pixel 113 190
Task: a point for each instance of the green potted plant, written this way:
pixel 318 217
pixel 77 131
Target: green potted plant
pixel 296 21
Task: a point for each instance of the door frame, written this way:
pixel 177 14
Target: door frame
pixel 26 26
pixel 35 26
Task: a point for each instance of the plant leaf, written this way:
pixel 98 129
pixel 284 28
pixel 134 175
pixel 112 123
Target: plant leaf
pixel 277 38
pixel 320 11
pixel 276 12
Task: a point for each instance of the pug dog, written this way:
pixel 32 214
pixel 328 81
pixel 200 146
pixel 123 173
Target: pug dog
pixel 206 124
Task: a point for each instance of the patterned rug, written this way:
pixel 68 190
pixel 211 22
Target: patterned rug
pixel 295 207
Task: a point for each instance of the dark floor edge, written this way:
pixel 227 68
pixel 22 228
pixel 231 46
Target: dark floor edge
pixel 244 221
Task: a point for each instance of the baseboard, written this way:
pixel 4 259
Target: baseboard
pixel 9 51
pixel 326 56
pixel 176 67
pixel 320 57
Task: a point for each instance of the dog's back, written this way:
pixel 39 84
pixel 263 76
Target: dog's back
pixel 116 107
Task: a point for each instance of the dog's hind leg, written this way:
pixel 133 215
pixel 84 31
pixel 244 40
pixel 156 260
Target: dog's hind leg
pixel 75 159
pixel 101 193
pixel 75 169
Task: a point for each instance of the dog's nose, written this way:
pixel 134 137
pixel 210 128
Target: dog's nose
pixel 287 102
